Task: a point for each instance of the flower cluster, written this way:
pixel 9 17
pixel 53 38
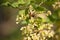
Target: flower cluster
pixel 38 26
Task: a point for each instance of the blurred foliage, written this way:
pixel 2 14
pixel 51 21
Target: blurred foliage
pixel 38 19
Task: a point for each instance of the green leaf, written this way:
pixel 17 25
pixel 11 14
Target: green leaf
pixel 27 20
pixel 24 22
pixel 50 2
pixel 46 20
pixel 6 3
pixel 24 2
pixel 15 4
pixel 39 1
pixel 40 8
pixel 27 2
pixel 21 2
pixel 22 12
pixel 26 11
pixel 51 18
